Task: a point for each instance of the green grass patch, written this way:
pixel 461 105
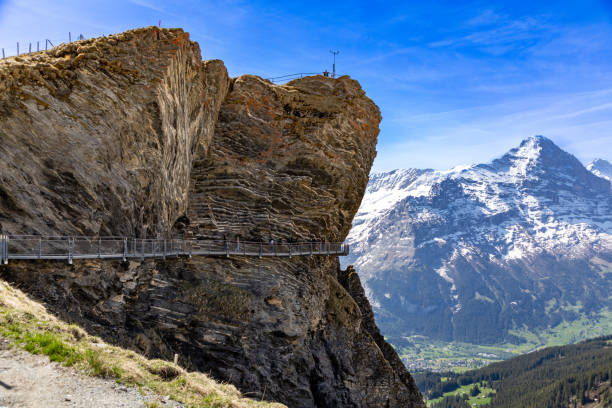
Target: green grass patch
pixel 51 345
pixel 474 400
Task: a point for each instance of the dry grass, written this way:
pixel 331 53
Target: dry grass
pixel 31 327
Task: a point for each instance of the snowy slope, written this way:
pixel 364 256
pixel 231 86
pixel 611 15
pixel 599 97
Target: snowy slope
pixel 471 253
pixel 601 168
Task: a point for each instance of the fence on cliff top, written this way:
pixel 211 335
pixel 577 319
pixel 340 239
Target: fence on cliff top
pixel 27 48
pixel 291 77
pixel 29 247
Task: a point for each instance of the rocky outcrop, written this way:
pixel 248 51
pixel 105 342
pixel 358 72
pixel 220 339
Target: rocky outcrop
pixel 284 162
pixel 103 133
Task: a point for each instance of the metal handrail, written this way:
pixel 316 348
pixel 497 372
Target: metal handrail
pixel 32 247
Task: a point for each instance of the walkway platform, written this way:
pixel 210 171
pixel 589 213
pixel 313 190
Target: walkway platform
pixel 68 248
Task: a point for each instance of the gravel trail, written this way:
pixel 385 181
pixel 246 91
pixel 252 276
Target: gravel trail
pixel 32 381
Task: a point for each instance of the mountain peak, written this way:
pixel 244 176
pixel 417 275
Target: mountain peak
pixel 538 153
pixel 601 168
pixel 536 145
pixel 537 140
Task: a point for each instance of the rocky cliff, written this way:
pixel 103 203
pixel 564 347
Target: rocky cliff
pixel 132 134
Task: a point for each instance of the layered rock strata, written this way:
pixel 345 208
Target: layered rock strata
pixel 103 133
pixel 284 162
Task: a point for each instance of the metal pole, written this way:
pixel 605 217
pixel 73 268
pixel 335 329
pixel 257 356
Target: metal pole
pixel 289 245
pixel 1 249
pixel 311 249
pixel 260 250
pixel 3 53
pixel 37 46
pixel 17 47
pixel 30 49
pixel 39 247
pixel 164 249
pixel 69 251
pixel 99 247
pixel 143 249
pixel 124 249
pixel 69 37
pixel 226 249
pixel 334 66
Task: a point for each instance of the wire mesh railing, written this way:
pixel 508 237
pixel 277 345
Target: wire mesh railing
pixel 30 247
pixel 291 77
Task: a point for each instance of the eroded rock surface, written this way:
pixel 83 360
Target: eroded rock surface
pixel 103 133
pixel 284 162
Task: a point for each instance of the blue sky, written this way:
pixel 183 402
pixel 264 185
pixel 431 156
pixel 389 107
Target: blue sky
pixel 457 82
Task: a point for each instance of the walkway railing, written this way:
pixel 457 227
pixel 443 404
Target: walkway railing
pixel 124 248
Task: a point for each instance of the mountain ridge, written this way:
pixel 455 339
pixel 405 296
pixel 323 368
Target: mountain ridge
pixel 468 254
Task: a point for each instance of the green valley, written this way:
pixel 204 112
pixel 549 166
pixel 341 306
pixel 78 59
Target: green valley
pixel 423 353
pixel 575 376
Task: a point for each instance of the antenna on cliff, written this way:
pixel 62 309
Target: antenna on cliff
pixel 334 66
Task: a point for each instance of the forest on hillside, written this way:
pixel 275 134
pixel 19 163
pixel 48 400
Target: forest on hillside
pixel 565 376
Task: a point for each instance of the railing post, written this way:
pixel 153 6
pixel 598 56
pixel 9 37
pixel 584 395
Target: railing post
pixel 289 245
pixel 226 249
pixel 143 249
pixel 311 249
pixel 99 247
pixel 164 256
pixel 69 251
pixel 39 247
pixel 124 249
pixel 260 250
pixel 4 250
pixel 1 249
pixel 190 248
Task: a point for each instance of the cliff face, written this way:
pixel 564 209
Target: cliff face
pixel 103 133
pixel 280 162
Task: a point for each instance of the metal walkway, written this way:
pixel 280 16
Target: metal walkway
pixel 68 248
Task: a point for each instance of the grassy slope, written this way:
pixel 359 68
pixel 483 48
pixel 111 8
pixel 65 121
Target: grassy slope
pixel 31 327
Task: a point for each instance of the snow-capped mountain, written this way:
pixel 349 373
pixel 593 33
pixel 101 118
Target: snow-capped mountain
pixel 475 252
pixel 601 168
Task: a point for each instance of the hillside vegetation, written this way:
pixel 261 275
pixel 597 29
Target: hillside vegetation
pixel 31 327
pixel 577 375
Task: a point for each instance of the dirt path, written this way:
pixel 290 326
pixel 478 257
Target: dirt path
pixel 31 381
